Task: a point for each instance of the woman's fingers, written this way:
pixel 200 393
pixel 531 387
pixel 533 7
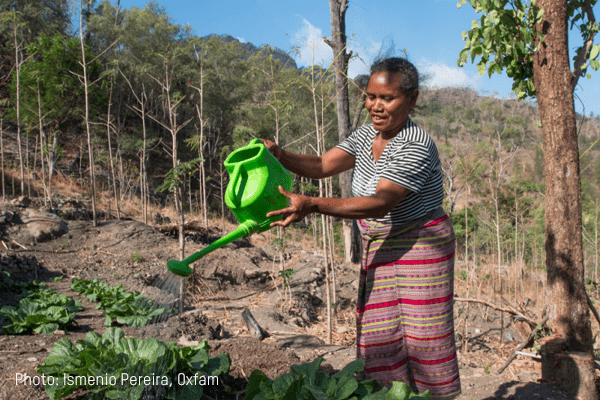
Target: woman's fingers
pixel 294 213
pixel 272 147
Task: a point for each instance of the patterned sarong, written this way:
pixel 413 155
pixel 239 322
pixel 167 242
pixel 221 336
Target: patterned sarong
pixel 405 326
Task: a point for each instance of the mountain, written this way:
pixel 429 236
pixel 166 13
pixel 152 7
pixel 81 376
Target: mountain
pixel 281 55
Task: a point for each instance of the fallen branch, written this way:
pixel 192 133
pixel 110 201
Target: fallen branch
pixel 18 244
pixel 24 351
pixel 255 329
pixel 594 311
pixel 508 309
pixel 523 344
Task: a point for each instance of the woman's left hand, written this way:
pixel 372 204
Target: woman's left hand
pixel 300 206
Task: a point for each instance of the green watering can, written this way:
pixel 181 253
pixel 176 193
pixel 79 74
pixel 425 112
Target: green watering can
pixel 252 192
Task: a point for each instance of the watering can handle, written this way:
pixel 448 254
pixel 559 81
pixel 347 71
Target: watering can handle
pixel 233 183
pixel 236 177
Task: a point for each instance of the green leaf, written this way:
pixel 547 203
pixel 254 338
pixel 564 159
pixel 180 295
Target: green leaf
pixel 256 378
pixel 309 370
pixel 594 52
pixel 398 391
pixel 294 391
pixel 282 383
pixel 352 368
pixel 346 385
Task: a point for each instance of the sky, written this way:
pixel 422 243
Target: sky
pixel 429 30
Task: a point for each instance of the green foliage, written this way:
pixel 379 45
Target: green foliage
pixel 176 176
pixel 20 288
pixel 288 276
pixel 33 19
pixel 307 382
pixel 136 257
pixel 42 311
pixel 48 82
pixel 458 222
pixel 127 308
pixel 505 37
pixel 114 357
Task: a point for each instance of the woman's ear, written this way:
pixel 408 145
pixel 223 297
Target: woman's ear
pixel 413 98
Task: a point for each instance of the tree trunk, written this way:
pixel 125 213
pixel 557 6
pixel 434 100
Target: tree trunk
pixel 564 247
pixel 2 159
pixel 87 120
pixel 337 9
pixel 18 108
pixel 110 156
pixel 569 311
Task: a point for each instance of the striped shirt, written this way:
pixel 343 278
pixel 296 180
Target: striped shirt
pixel 410 160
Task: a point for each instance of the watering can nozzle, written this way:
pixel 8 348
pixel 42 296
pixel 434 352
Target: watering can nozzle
pixel 183 269
pixel 179 268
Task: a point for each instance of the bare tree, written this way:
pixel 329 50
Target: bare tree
pixel 173 126
pixel 337 10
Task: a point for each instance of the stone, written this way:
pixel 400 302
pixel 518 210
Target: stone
pixel 38 226
pixel 22 201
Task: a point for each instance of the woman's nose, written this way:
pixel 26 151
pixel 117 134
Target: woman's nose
pixel 377 104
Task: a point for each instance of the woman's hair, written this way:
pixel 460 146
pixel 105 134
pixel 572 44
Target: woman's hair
pixel 409 76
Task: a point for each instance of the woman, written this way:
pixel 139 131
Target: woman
pixel 405 329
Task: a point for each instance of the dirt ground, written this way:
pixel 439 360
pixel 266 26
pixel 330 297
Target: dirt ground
pixel 226 282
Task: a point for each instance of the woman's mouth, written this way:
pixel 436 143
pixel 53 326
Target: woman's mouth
pixel 377 118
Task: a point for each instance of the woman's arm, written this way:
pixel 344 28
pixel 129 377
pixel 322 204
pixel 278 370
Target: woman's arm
pixel 310 166
pixel 386 197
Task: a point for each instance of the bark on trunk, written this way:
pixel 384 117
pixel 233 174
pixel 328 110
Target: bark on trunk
pixel 569 312
pixel 337 10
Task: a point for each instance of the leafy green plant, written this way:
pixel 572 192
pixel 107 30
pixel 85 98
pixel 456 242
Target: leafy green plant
pixel 307 382
pixel 41 311
pixel 126 308
pixel 136 257
pixel 288 276
pixel 7 284
pixel 117 367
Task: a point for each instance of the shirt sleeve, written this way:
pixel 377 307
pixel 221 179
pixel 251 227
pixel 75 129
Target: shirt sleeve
pixel 350 145
pixel 409 166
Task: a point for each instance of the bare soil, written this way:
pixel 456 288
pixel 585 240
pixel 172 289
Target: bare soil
pixel 226 282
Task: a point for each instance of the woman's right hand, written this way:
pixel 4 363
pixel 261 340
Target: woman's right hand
pixel 273 148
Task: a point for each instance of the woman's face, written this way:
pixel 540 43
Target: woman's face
pixel 387 105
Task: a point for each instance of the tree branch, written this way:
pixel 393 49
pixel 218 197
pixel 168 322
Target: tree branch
pixel 584 51
pixel 508 309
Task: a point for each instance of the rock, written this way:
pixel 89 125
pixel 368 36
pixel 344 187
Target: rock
pixel 59 332
pixel 295 321
pixel 306 316
pixel 341 329
pixel 21 201
pixel 183 341
pixel 38 226
pixel 253 273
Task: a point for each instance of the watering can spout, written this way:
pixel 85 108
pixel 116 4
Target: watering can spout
pixel 182 268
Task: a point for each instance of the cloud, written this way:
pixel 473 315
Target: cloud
pixel 308 38
pixel 442 75
pixel 241 39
